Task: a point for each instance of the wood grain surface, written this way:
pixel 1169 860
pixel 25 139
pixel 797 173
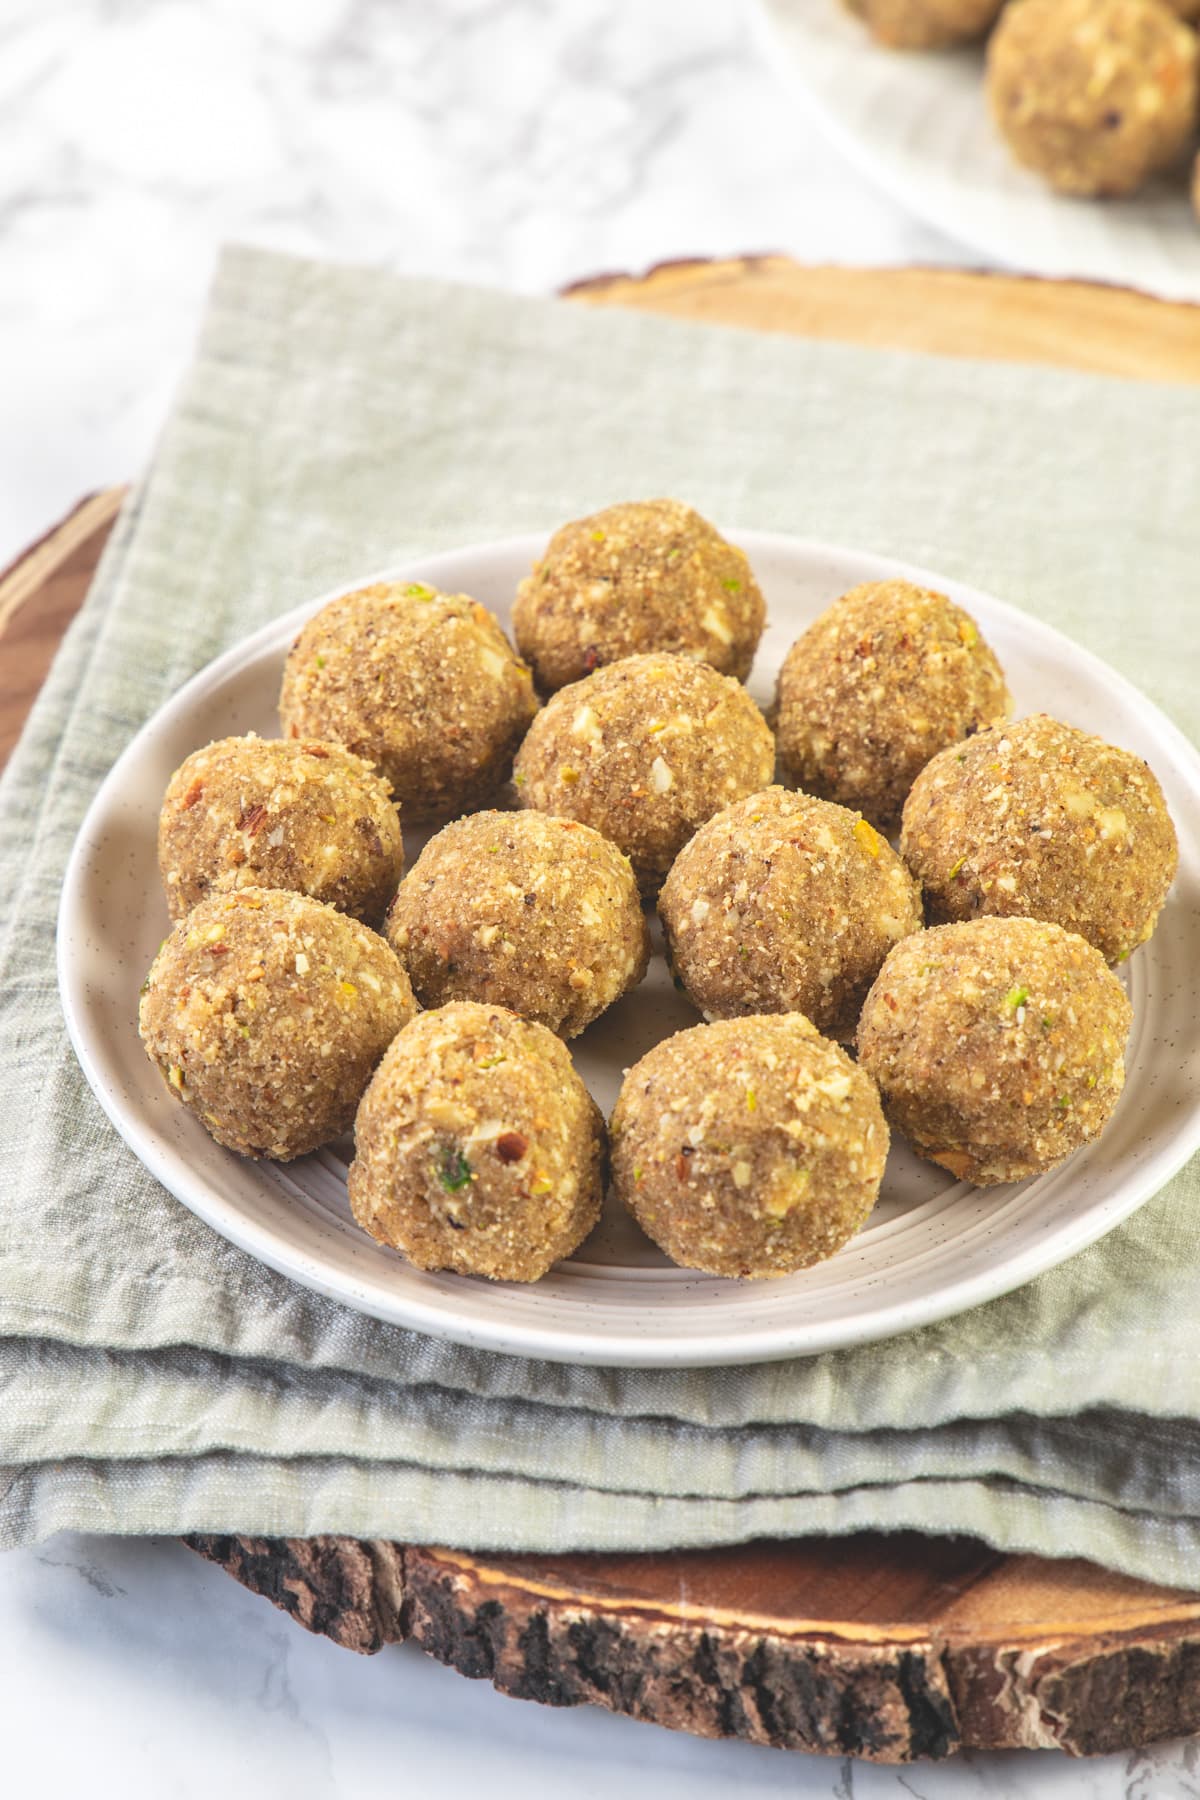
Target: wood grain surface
pixel 890 1648
pixel 39 596
pixel 1016 318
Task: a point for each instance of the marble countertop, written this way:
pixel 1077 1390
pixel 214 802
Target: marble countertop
pixel 521 143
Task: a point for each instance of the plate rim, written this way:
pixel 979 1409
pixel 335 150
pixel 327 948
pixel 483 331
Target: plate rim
pixel 551 1343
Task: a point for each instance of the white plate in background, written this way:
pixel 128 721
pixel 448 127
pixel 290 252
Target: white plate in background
pixel 916 123
pixel 931 1248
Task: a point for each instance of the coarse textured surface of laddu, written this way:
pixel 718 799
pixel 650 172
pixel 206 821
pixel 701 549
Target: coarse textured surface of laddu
pixel 521 910
pixel 998 1045
pixel 645 750
pixel 1094 95
pixel 645 575
pixel 1041 820
pixel 478 1148
pixel 785 903
pixel 279 813
pixel 751 1147
pixel 424 685
pixel 266 1013
pixel 886 677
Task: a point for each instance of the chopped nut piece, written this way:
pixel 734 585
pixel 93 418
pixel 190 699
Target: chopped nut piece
pixel 868 838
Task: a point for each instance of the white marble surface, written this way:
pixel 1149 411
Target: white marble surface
pixel 519 142
pixel 523 143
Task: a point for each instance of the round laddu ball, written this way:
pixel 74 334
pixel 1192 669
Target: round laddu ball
pixel 1040 820
pixel 516 909
pixel 651 575
pixel 783 903
pixel 279 813
pixel 424 685
pixel 886 677
pixel 478 1148
pixel 266 1013
pixel 926 24
pixel 751 1147
pixel 644 751
pixel 998 1045
pixel 1093 95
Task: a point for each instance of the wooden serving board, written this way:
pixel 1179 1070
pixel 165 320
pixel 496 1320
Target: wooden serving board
pixel 887 1647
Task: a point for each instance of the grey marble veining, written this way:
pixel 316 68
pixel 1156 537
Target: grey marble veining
pixel 523 143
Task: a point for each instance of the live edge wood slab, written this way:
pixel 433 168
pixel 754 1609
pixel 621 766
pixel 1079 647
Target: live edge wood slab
pixel 889 1648
pixel 886 1647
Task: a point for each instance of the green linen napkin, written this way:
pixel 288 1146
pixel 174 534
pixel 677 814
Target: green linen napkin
pixel 335 420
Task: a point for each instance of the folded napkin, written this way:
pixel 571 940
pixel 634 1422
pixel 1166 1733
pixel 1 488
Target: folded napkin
pixel 335 420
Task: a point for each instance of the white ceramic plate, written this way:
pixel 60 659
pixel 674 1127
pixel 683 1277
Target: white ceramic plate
pixel 917 124
pixel 931 1248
